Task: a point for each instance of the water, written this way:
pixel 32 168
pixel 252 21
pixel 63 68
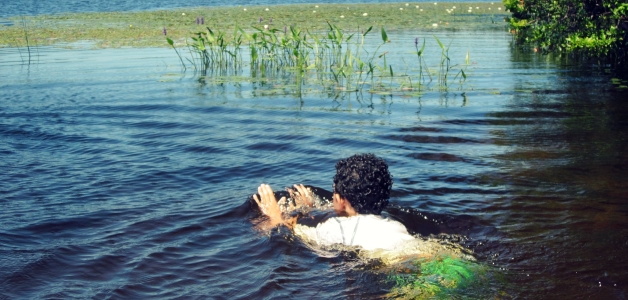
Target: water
pixel 124 178
pixel 34 7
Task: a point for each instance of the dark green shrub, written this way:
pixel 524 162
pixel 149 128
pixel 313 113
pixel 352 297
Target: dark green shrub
pixel 589 29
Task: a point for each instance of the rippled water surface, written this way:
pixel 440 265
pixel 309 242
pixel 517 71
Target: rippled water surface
pixel 122 177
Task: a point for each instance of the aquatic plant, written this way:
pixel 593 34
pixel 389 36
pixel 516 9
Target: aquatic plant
pixel 446 66
pixel 28 48
pixel 73 27
pixel 171 43
pixel 212 51
pixel 436 278
pixel 421 59
pixel 333 59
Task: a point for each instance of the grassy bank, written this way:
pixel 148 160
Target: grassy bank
pixel 146 28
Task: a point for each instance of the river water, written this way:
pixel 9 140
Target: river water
pixel 124 177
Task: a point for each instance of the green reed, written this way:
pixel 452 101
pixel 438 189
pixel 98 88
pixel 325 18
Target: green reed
pixel 334 58
pixel 171 43
pixel 446 66
pixel 211 51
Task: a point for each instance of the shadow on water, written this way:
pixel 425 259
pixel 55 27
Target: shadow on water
pixel 565 219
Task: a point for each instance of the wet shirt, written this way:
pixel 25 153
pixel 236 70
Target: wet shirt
pixel 367 231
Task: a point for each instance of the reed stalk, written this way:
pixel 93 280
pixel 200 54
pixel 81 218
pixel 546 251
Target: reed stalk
pixel 334 58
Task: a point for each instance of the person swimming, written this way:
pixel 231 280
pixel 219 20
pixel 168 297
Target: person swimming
pixel 361 190
pixel 420 268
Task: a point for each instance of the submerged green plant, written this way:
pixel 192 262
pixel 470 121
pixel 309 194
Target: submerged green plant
pixel 436 278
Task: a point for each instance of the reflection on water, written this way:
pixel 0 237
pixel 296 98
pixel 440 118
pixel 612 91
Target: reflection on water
pixel 123 178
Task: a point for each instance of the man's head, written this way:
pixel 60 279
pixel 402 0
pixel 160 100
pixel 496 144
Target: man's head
pixel 364 181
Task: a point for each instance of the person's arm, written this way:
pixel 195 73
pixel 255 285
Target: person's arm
pixel 269 206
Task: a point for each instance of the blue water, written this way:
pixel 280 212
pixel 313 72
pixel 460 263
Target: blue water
pixel 123 177
pixel 35 7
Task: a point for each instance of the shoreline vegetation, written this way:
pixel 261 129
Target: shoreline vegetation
pixel 150 28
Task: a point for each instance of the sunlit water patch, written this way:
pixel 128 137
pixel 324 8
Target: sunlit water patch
pixel 124 177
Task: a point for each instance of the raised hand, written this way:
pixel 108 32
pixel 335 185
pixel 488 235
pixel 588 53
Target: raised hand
pixel 302 196
pixel 268 203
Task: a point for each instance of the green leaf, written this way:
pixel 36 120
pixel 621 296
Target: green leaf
pixel 367 31
pixel 384 35
pixel 439 43
pixel 170 42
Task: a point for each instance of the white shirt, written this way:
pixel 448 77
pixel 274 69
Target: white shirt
pixel 367 231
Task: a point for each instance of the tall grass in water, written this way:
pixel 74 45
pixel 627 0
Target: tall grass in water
pixel 446 66
pixel 212 52
pixel 171 43
pixel 335 59
pixel 28 46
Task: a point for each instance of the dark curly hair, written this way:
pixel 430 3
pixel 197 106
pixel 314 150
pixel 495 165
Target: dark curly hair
pixel 364 180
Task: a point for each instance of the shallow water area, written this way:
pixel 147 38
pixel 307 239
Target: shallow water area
pixel 124 177
pixel 55 6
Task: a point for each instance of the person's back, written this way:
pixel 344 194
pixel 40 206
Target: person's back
pixel 368 231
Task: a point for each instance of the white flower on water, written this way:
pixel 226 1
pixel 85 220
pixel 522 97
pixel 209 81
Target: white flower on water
pixel 407 4
pixel 365 14
pixel 316 6
pixel 421 9
pixel 489 8
pixel 454 7
pixel 477 7
pixel 401 8
pixel 183 14
pixel 469 10
pixel 267 9
pixel 314 11
pixel 342 17
pixel 245 9
pixel 435 25
pixel 266 27
pixel 499 8
pixel 435 3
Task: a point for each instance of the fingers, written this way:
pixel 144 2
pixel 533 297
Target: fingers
pixel 290 205
pixel 266 197
pixel 301 189
pixel 261 206
pixel 265 192
pixel 306 194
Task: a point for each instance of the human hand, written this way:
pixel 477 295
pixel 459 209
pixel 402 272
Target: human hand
pixel 268 203
pixel 302 196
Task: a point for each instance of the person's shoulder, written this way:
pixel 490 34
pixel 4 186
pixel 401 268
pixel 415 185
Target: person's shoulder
pixel 315 218
pixel 377 220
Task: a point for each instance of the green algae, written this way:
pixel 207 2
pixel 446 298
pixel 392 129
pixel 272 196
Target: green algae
pixel 145 28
